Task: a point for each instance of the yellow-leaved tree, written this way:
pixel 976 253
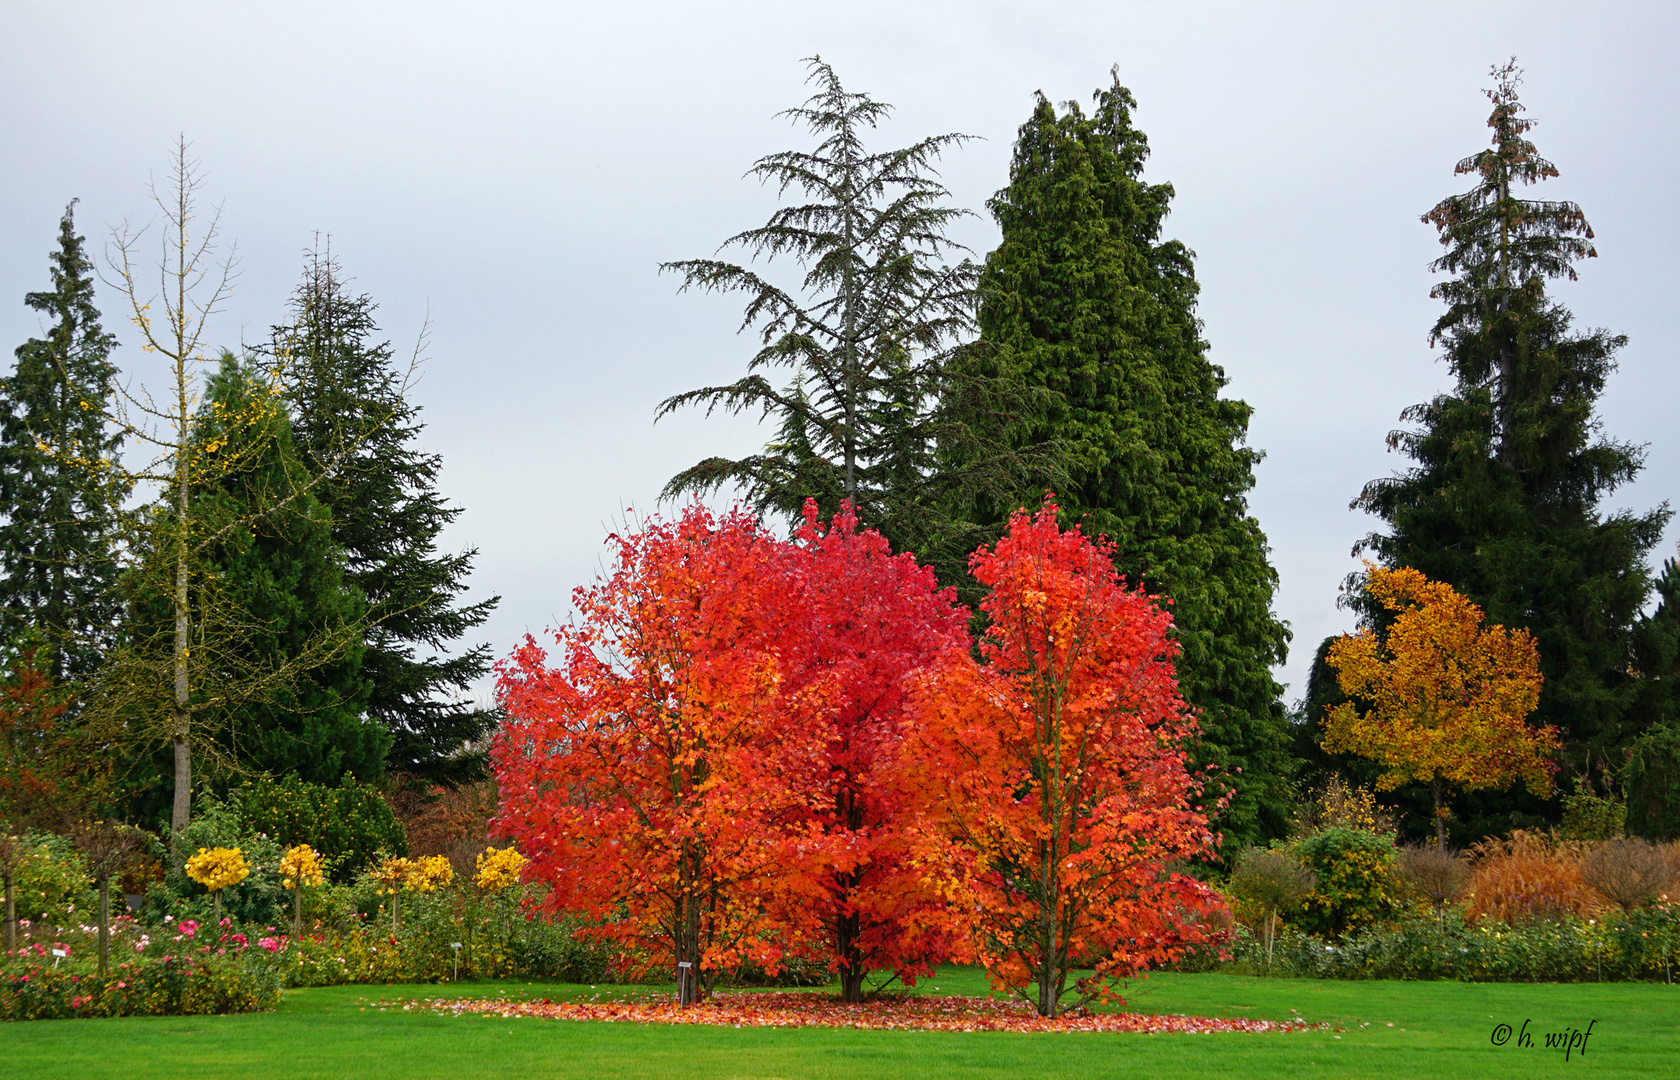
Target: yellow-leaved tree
pixel 1449 698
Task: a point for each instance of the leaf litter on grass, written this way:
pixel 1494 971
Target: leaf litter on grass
pixel 785 1010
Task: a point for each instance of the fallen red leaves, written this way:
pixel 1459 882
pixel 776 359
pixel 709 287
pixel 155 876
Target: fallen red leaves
pixel 814 1010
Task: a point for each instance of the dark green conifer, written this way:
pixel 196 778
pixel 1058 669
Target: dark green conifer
pixel 868 336
pixel 281 577
pixel 353 423
pixel 59 494
pixel 1511 468
pixel 1084 299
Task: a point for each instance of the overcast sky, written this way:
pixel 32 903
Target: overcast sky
pixel 517 171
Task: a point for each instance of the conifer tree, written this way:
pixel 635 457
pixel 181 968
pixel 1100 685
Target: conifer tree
pixel 868 335
pixel 1084 299
pixel 1503 501
pixel 58 510
pixel 285 576
pixel 352 419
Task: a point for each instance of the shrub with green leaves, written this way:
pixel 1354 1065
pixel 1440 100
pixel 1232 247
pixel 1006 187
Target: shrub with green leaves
pixel 1356 880
pixel 351 824
pixel 51 882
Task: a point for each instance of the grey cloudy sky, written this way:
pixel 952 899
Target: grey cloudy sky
pixel 518 170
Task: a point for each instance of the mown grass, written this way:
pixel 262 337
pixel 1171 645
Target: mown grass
pixel 1439 1030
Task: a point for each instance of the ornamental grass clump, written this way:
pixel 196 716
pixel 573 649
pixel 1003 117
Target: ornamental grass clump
pixel 1528 876
pixel 217 869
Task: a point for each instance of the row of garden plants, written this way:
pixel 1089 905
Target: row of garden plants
pixel 1344 900
pixel 248 914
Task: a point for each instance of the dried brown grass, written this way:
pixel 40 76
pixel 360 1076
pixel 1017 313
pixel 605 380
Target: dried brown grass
pixel 1528 876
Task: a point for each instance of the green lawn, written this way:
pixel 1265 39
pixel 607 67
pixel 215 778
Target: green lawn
pixel 1440 1030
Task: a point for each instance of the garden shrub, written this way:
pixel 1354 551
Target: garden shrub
pixel 497 941
pixel 1269 884
pixel 257 900
pixel 1356 883
pixel 1432 876
pixel 351 823
pixel 51 881
pixel 1588 817
pixel 1628 872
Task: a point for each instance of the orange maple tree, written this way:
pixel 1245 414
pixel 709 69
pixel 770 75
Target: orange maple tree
pixel 652 776
pixel 1448 698
pixel 865 620
pixel 1055 790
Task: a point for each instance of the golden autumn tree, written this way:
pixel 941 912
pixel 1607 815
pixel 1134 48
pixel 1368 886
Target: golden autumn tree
pixel 1449 698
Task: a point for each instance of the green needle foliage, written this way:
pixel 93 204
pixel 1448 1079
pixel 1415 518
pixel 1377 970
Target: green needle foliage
pixel 1503 501
pixel 868 413
pixel 1085 301
pixel 59 508
pixel 285 574
pixel 353 423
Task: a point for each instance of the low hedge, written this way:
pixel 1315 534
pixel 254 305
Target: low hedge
pixel 1640 945
pixel 33 989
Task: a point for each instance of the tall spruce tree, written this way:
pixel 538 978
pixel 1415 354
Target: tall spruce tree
pixel 1503 502
pixel 868 336
pixel 59 507
pixel 285 576
pixel 1085 299
pixel 347 391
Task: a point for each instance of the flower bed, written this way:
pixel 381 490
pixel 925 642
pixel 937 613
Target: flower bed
pixel 821 1010
pixel 165 986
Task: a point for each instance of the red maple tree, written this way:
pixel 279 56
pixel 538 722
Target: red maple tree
pixel 651 776
pixel 1055 792
pixel 866 619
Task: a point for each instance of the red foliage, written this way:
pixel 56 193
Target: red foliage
pixel 1053 775
pixel 818 1010
pixel 41 764
pixel 652 777
pixel 865 620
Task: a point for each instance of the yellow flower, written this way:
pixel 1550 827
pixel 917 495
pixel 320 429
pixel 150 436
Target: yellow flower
pixel 428 873
pixel 217 868
pixel 498 868
pixel 392 873
pixel 301 865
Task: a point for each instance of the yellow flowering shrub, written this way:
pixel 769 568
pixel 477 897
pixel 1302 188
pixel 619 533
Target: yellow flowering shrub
pixel 301 867
pixel 498 868
pixel 429 872
pixel 217 868
pixel 393 873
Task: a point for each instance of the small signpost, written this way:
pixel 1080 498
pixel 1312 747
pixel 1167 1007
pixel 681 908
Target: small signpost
pixel 59 954
pixel 685 982
pixel 456 945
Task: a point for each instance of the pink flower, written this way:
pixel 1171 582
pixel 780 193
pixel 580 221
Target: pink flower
pixel 187 927
pixel 271 944
pixel 239 939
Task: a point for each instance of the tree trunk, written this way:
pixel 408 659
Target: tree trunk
pixel 297 912
pixel 181 812
pixel 11 917
pixel 1438 788
pixel 218 895
pixel 104 925
pixel 852 969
